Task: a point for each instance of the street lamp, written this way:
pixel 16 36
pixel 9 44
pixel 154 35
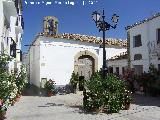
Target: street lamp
pixel 102 25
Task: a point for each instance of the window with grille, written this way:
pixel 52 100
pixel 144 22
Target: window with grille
pixel 137 41
pixel 137 57
pixel 123 70
pixel 117 70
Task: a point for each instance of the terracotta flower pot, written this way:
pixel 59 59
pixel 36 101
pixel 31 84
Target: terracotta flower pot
pixel 18 96
pixel 2 115
pixel 96 110
pixel 17 99
pixel 127 106
pixel 13 102
pixel 49 93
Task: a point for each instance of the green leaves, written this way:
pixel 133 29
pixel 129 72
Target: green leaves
pixel 109 93
pixel 21 79
pixel 3 62
pixel 50 86
pixel 10 83
pixel 74 79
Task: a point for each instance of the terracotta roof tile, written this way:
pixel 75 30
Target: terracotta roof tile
pixel 143 21
pixel 119 57
pixel 86 38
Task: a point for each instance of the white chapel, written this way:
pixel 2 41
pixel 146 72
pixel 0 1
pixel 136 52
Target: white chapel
pixel 55 56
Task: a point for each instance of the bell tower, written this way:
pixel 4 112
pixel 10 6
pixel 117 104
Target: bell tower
pixel 50 25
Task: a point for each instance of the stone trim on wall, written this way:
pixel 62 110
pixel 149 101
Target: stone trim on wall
pixel 86 52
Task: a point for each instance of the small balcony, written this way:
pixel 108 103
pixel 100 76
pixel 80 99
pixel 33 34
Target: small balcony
pixel 9 8
pixel 22 23
pixel 19 24
pixel 19 29
pixel 18 5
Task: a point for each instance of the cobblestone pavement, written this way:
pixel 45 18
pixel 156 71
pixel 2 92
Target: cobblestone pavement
pixel 66 107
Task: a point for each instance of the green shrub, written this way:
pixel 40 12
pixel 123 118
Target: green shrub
pixel 50 86
pixel 150 81
pixel 109 94
pixel 10 83
pixel 74 80
pixel 21 79
pixel 8 88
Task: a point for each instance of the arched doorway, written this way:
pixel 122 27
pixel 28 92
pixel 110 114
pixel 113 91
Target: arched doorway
pixel 85 63
pixel 86 66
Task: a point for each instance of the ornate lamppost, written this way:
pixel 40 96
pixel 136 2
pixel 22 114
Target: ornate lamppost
pixel 102 25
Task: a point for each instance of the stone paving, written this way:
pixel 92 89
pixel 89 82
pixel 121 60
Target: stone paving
pixel 67 107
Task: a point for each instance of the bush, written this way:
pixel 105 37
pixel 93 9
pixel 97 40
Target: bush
pixel 10 83
pixel 150 81
pixel 8 88
pixel 108 94
pixel 21 79
pixel 50 86
pixel 74 80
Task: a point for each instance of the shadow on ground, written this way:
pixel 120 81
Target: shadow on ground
pixel 32 90
pixel 146 100
pixel 79 109
pixel 51 104
pixel 137 100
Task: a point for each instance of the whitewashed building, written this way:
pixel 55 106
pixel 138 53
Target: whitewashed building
pixel 57 56
pixel 11 29
pixel 118 64
pixel 144 44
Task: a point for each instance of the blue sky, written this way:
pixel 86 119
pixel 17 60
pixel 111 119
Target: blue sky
pixel 77 18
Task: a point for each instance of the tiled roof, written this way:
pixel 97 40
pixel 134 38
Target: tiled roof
pixel 119 57
pixel 143 21
pixel 91 39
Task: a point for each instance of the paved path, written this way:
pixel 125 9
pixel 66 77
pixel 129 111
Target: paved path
pixel 66 107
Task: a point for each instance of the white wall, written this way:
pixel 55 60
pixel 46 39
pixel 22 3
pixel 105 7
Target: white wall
pixel 118 63
pixel 57 58
pixel 2 22
pixel 110 52
pixel 34 64
pixel 8 13
pixel 148 33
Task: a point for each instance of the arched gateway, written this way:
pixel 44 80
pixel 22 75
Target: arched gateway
pixel 85 63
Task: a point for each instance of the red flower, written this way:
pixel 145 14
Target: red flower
pixel 1 102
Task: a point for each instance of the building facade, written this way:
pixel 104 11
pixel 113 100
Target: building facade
pixel 144 44
pixel 118 64
pixel 11 30
pixel 57 56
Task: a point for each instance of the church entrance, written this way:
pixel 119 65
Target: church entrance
pixel 86 63
pixel 85 66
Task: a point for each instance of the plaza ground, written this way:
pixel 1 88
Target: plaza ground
pixel 68 107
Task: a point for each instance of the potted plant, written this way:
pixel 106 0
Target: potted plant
pixel 74 81
pixel 106 95
pixel 20 80
pixel 50 87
